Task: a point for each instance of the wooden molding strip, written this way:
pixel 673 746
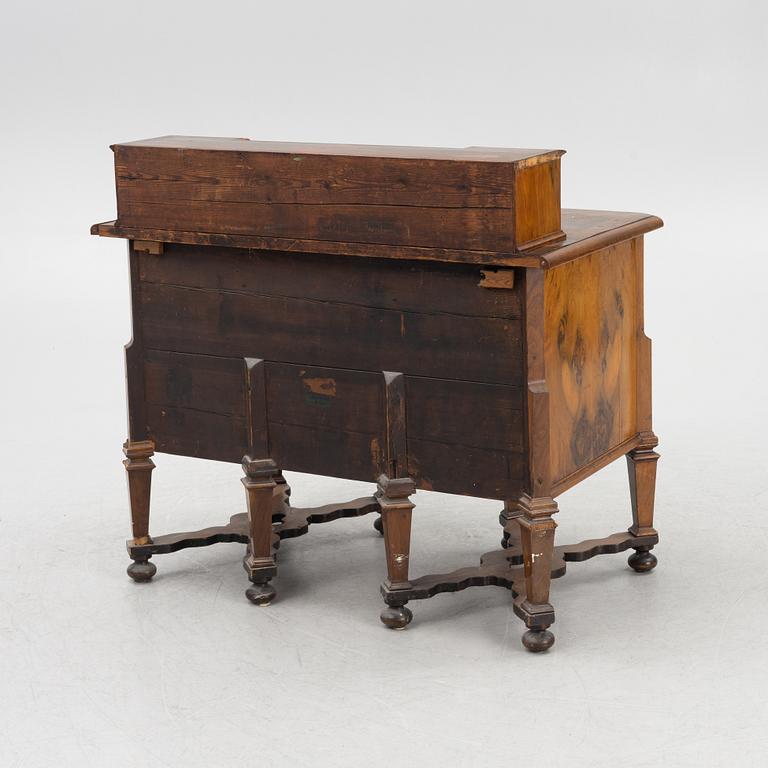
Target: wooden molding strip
pixel 586 231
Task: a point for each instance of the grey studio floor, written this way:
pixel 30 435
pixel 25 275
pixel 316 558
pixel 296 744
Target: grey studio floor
pixel 99 671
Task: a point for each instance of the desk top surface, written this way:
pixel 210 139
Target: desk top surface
pixel 463 154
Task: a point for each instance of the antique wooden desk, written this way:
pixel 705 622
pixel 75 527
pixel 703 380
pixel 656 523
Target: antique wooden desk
pixel 423 318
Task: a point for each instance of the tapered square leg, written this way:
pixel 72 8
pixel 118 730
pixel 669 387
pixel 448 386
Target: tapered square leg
pixel 260 481
pixel 537 539
pixel 641 464
pixel 396 508
pixel 139 466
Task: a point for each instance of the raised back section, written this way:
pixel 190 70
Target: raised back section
pixel 475 199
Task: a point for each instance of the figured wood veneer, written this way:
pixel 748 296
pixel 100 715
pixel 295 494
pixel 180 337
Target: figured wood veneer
pixel 590 347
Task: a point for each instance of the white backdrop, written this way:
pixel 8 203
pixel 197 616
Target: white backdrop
pixel 661 106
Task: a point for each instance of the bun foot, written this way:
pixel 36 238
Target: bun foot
pixel 396 617
pixel 141 570
pixel 261 594
pixel 538 640
pixel 642 560
pixel 379 525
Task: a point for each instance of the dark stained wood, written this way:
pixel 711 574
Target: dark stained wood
pixel 585 232
pixel 325 398
pixel 465 470
pixel 334 335
pixel 288 523
pixel 203 434
pixel 472 229
pixel 396 511
pixel 411 286
pixel 457 199
pixel 259 562
pixel 331 452
pixel 134 359
pixel 465 413
pixel 257 417
pixel 200 382
pixel 537 536
pixel 397 445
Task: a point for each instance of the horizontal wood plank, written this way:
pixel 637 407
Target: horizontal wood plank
pixel 326 398
pixel 411 286
pixel 201 434
pixel 465 470
pixel 464 413
pixel 155 175
pixel 472 228
pixel 585 231
pixel 333 335
pixel 335 453
pixel 195 381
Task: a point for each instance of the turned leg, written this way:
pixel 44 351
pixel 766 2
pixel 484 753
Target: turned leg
pixel 139 466
pixel 641 464
pixel 506 518
pixel 259 563
pixel 537 538
pixel 396 507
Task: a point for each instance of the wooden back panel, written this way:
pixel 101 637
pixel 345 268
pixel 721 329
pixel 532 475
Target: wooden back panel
pixel 331 367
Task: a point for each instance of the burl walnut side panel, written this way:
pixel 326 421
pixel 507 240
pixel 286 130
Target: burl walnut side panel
pixel 592 323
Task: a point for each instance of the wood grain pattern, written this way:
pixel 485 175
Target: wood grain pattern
pixel 465 470
pixel 202 434
pixel 397 444
pixel 330 452
pixel 642 487
pixel 411 287
pixel 537 204
pixel 473 229
pixel 199 382
pixel 257 412
pixel 465 413
pixel 138 466
pixel 585 231
pixel 393 495
pixel 336 194
pixel 590 340
pixel 307 332
pixel 134 358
